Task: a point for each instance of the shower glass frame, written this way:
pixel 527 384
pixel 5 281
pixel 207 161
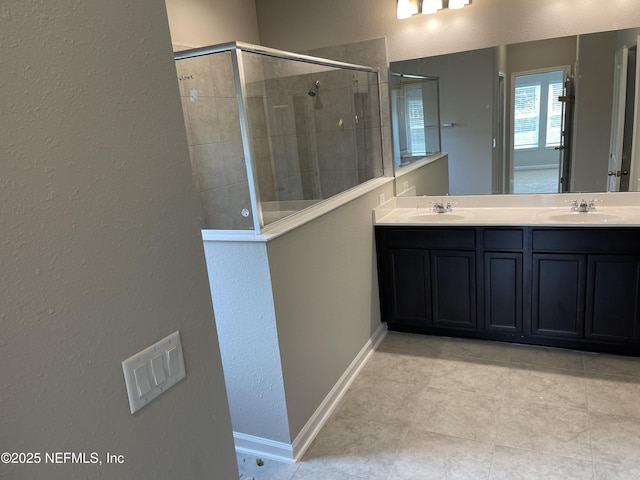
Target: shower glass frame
pixel 398 84
pixel 236 49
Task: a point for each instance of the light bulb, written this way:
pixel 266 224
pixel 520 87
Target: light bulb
pixel 431 6
pixel 458 3
pixel 406 8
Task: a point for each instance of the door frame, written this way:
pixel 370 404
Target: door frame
pixel 634 168
pixel 618 107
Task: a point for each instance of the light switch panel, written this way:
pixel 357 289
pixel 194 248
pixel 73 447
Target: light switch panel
pixel 158 370
pixel 153 371
pixel 141 375
pixel 173 361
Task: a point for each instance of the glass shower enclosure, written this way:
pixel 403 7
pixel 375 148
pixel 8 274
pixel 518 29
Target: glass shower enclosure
pixel 415 117
pixel 272 133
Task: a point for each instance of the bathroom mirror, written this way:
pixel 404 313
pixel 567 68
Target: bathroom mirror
pixel 547 116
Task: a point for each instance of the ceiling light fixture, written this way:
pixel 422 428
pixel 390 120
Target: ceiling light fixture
pixel 431 6
pixel 458 3
pixel 408 8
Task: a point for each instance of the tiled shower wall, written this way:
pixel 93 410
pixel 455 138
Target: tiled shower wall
pixel 311 147
pixel 210 108
pixel 305 148
pixel 372 53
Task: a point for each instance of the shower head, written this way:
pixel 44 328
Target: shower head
pixel 314 90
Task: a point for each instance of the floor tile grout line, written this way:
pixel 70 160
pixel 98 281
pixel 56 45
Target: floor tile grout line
pixel 535 365
pixel 617 415
pixel 397 454
pixel 593 457
pixel 586 392
pixel 543 452
pixel 449 435
pixel 538 404
pixel 499 416
pixel 458 390
pixel 632 378
pixel 495 435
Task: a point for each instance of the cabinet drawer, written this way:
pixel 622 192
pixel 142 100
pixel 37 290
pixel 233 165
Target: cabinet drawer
pixel 503 239
pixel 587 240
pixel 446 238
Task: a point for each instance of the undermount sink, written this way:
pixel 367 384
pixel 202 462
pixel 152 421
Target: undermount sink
pixel 581 217
pixel 444 217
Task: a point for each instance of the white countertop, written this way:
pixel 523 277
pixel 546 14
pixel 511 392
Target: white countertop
pixel 612 209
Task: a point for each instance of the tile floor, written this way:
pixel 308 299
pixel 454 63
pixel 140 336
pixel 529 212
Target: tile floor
pixel 544 180
pixel 438 408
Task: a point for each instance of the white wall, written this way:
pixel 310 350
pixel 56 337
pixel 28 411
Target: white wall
pixel 101 254
pixel 429 179
pixel 243 302
pixel 304 24
pixel 198 23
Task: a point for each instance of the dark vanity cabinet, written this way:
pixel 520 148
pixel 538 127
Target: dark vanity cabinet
pixel 566 287
pixel 432 278
pixel 586 285
pixel 612 309
pixel 558 294
pixel 502 282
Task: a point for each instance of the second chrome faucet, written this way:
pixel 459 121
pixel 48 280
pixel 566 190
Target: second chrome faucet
pixel 583 205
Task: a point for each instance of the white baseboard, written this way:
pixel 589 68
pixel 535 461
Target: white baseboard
pixel 328 405
pixel 263 448
pixel 284 452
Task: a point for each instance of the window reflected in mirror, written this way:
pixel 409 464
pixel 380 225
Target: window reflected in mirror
pixel 415 117
pixel 537 131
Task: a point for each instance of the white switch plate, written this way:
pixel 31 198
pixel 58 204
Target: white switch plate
pixel 153 371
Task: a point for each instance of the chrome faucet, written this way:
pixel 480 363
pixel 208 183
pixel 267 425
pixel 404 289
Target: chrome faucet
pixel 441 207
pixel 583 205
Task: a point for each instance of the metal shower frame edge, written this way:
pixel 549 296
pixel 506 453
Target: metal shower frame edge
pixel 272 52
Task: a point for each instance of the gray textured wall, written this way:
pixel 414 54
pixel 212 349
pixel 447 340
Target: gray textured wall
pixel 100 251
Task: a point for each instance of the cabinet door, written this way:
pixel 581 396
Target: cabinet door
pixel 612 298
pixel 410 302
pixel 503 292
pixel 453 289
pixel 558 295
